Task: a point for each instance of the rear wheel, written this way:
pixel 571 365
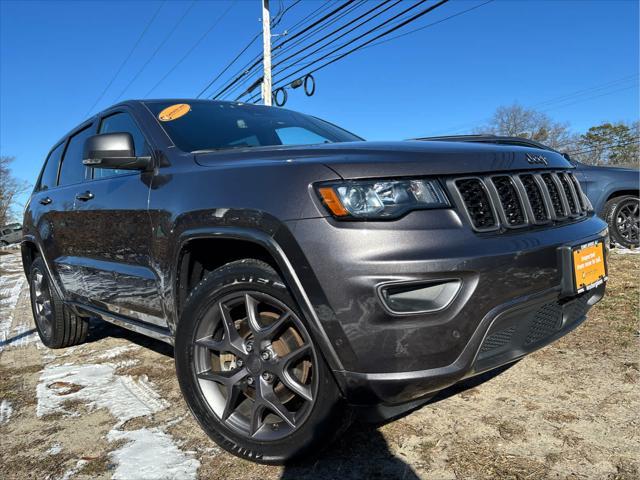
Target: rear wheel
pixel 57 326
pixel 623 216
pixel 249 370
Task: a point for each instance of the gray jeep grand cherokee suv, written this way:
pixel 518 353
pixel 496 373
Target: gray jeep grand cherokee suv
pixel 299 271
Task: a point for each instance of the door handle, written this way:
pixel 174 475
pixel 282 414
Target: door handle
pixel 45 201
pixel 85 196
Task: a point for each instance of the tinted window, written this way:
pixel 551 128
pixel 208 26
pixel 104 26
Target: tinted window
pixel 219 126
pixel 72 170
pixel 50 172
pixel 121 122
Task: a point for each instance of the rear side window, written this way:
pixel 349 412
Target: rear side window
pixel 121 122
pixel 50 172
pixel 72 170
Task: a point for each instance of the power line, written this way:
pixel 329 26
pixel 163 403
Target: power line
pixel 413 31
pixel 351 22
pixel 280 15
pixel 193 47
pixel 155 52
pixel 254 67
pixel 257 35
pixel 377 37
pixel 281 49
pixel 462 12
pixel 257 62
pixel 559 99
pixel 313 14
pixel 135 45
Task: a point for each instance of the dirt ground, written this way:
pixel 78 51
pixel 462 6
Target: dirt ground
pixel 111 408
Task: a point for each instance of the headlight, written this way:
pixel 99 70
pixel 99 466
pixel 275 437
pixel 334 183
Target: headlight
pixel 380 199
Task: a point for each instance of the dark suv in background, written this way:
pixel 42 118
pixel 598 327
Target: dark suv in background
pixel 299 271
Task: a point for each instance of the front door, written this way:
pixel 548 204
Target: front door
pixel 116 245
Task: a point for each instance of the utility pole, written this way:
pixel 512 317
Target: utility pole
pixel 266 64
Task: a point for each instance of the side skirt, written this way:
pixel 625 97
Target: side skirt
pixel 153 331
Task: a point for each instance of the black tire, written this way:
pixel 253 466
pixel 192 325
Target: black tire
pixel 621 213
pixel 57 325
pixel 325 417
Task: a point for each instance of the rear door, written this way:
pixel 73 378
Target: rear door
pixel 115 244
pixel 52 208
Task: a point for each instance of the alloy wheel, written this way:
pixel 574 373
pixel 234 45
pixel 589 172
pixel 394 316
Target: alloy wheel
pixel 628 220
pixel 255 365
pixel 41 300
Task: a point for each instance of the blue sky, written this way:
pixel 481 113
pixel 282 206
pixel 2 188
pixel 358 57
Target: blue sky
pixel 56 58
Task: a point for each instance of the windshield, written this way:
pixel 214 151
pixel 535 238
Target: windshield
pixel 206 126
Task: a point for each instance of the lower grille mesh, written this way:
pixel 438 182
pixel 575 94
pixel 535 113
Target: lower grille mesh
pixel 546 322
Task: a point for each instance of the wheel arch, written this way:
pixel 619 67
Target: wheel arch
pixel 246 242
pixel 621 193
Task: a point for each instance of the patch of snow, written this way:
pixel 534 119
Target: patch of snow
pixel 99 387
pixel 72 471
pixel 22 336
pixel 132 362
pixel 150 453
pixel 10 288
pixel 55 449
pixel 116 352
pixel 626 251
pixel 5 411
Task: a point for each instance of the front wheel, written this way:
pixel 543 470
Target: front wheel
pixel 623 216
pixel 249 370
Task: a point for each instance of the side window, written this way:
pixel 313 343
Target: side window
pixel 50 171
pixel 72 170
pixel 121 122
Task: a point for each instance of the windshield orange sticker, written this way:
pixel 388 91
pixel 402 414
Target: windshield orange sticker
pixel 174 111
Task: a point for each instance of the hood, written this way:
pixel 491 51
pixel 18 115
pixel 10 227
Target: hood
pixel 395 159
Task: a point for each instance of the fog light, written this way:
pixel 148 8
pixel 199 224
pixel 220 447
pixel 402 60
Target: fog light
pixel 421 297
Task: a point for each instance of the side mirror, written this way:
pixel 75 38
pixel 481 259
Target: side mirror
pixel 113 150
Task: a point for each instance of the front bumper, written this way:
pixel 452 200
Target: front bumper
pixel 502 337
pixel 393 358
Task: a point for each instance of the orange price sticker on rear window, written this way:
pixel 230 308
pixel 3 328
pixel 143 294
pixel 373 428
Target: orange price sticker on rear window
pixel 174 111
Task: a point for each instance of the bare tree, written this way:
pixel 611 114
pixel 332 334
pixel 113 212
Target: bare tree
pixel 518 121
pixel 10 189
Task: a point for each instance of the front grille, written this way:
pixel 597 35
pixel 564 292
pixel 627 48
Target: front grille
pixel 476 200
pixel 518 200
pixel 538 207
pixel 576 187
pixel 573 206
pixel 509 200
pixel 554 193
